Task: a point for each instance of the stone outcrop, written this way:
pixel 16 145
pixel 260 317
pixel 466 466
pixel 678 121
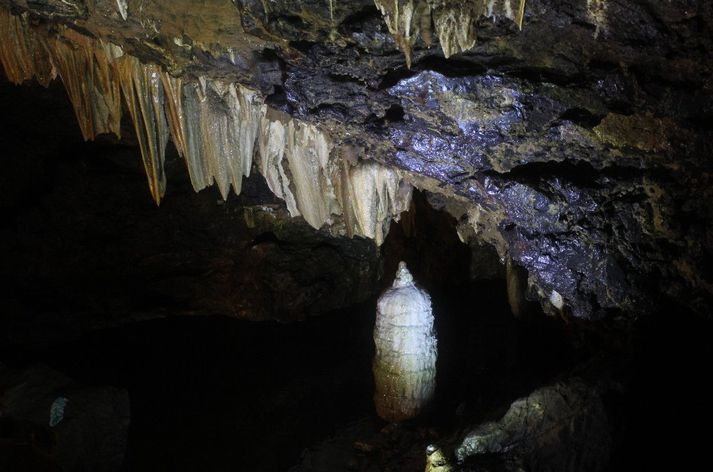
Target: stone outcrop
pixel 559 427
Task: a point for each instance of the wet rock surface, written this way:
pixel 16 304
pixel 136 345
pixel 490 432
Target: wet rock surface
pixel 581 143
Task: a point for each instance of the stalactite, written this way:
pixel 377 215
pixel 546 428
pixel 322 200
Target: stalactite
pixel 399 15
pixel 597 13
pixel 307 155
pixel 143 90
pixel 211 105
pixel 454 21
pixel 520 13
pixel 173 95
pixel 76 76
pixel 248 110
pixel 406 350
pixel 182 116
pixel 272 151
pixel 123 7
pixel 23 51
pixel 295 160
pixel 455 27
pixel 516 283
pixel 370 195
pixel 106 92
pixel 86 71
pixel 216 126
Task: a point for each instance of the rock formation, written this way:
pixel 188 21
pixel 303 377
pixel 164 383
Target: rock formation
pixel 406 350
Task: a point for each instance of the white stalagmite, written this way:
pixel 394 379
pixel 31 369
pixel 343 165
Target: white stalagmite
pixel 406 350
pixel 219 128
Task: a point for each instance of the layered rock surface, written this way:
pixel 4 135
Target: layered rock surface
pixel 579 147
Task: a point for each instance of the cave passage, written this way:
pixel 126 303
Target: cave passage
pixel 94 290
pixel 223 332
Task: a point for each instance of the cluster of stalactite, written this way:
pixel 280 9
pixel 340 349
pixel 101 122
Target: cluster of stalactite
pixel 220 128
pixel 452 21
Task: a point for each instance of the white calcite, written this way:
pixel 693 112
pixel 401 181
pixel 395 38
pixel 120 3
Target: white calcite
pixel 406 349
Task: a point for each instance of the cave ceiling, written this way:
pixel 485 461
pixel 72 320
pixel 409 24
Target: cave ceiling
pixel 573 135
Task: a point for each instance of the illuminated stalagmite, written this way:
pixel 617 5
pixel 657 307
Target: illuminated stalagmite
pixel 405 360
